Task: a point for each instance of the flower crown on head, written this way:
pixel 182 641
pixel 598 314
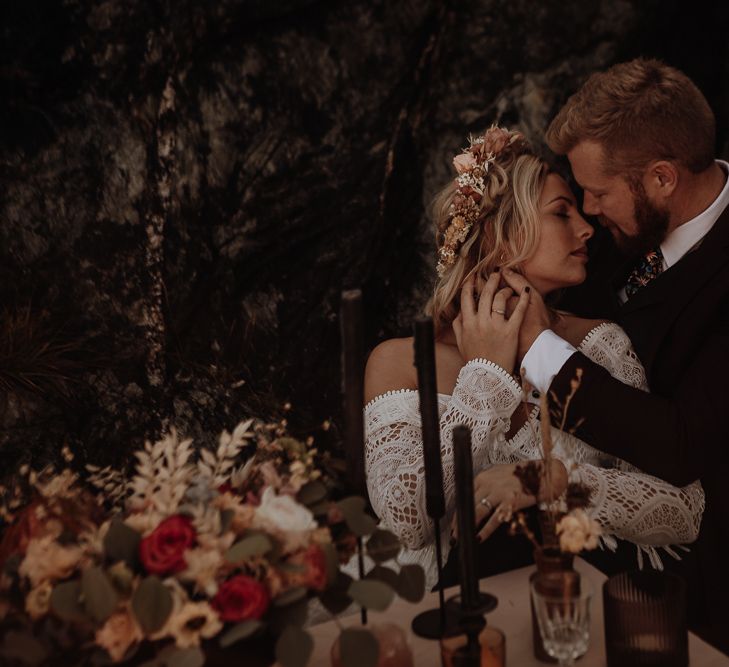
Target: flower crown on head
pixel 472 166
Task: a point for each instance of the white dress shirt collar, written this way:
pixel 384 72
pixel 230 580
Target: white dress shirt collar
pixel 686 236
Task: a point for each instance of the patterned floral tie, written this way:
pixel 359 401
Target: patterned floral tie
pixel 650 267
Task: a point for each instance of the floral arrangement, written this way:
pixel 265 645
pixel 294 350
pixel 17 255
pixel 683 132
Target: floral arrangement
pixel 198 547
pixel 472 166
pixel 565 523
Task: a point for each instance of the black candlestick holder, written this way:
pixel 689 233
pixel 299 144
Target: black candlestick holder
pixel 442 621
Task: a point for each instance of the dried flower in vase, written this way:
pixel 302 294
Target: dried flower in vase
pixel 563 518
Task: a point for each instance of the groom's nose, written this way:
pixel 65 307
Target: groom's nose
pixel 590 205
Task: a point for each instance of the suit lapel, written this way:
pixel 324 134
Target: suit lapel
pixel 649 314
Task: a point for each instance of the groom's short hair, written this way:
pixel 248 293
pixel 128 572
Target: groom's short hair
pixel 638 111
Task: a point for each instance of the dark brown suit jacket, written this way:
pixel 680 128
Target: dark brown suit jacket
pixel 679 326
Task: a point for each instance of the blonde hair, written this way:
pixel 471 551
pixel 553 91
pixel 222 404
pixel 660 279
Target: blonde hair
pixel 638 111
pixel 507 232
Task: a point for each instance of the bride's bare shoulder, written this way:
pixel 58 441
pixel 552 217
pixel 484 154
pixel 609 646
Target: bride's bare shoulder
pixel 390 367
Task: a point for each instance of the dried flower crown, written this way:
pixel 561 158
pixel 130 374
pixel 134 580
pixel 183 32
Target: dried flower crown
pixel 472 166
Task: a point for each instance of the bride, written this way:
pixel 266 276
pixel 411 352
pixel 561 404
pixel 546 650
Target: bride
pixel 505 220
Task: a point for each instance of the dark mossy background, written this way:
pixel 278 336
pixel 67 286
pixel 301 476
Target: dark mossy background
pixel 186 187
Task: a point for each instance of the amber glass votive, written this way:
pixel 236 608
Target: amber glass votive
pixel 645 620
pixel 493 648
pixel 394 648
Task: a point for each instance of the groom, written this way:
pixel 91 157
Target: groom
pixel 640 140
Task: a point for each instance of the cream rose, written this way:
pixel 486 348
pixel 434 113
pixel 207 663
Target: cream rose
pixel 45 559
pixel 283 513
pixel 578 531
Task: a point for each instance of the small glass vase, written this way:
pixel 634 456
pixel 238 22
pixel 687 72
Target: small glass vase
pixel 492 643
pixel 395 650
pixel 548 560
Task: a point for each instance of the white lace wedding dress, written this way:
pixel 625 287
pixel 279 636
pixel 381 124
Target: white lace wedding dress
pixel 627 503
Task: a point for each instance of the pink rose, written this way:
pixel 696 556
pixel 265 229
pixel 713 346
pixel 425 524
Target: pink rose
pixel 464 162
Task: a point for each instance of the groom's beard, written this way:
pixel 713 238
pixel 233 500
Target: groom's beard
pixel 652 224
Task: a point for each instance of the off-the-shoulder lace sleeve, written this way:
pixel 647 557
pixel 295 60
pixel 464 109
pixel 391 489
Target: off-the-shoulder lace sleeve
pixel 628 503
pixel 483 399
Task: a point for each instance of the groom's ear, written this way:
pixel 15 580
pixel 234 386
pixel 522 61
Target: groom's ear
pixel 660 179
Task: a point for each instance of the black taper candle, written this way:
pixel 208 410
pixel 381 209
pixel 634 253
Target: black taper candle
pixel 427 389
pixel 352 337
pixel 353 352
pixel 465 508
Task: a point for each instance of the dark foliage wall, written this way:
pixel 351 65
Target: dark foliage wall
pixel 187 186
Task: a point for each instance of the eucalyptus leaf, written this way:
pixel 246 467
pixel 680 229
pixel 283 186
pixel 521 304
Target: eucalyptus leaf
pixel 99 597
pixel 122 543
pixel 292 568
pixel 66 601
pixel 241 631
pixel 290 596
pixel 384 574
pixel 411 583
pixel 226 518
pixel 320 509
pixel 252 545
pixel 185 657
pixel 358 648
pixel 294 647
pixel 382 545
pixel 358 521
pixel 370 593
pixel 336 598
pixel 312 493
pixel 332 562
pixel 152 604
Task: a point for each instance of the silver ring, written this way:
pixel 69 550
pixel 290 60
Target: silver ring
pixel 500 312
pixel 485 502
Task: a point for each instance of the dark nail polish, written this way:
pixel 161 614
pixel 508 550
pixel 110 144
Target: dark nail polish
pixel 479 539
pixel 527 289
pixel 452 542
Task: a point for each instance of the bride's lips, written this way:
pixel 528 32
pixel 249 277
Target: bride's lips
pixel 581 253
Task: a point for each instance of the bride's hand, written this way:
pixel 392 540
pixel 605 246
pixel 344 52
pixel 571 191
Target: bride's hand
pixel 485 329
pixel 497 493
pixel 536 318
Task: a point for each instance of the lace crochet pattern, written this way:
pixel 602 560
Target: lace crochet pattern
pixel 627 503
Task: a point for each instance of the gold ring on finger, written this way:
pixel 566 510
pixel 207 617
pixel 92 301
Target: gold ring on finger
pixel 499 311
pixel 487 505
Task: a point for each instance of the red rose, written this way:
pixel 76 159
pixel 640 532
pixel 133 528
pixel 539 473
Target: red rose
pixel 241 598
pixel 161 552
pixel 314 564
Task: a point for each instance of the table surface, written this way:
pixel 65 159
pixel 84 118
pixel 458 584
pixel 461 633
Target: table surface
pixel 512 617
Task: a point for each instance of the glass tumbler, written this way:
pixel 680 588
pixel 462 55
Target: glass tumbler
pixel 562 607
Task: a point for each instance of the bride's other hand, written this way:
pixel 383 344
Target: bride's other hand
pixel 484 329
pixel 498 494
pixel 535 320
